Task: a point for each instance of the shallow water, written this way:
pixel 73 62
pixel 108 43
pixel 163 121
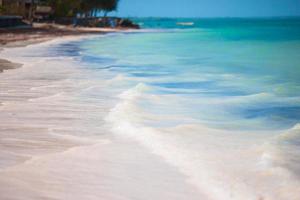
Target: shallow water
pixel 203 112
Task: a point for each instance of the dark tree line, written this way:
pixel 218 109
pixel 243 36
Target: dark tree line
pixel 69 8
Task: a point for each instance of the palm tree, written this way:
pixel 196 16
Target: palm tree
pixel 109 6
pixel 100 5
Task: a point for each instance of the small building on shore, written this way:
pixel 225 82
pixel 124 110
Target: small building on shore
pixel 42 12
pixel 22 8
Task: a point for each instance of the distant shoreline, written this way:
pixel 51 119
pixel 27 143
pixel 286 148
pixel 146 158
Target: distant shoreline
pixel 42 32
pixel 46 31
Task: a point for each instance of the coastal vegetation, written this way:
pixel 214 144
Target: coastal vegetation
pixel 87 8
pixel 60 8
pixel 84 13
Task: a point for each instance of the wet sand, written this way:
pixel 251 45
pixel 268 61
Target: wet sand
pixel 55 143
pixel 6 65
pixel 43 32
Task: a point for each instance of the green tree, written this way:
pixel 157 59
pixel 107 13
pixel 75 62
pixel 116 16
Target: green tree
pixel 63 8
pixel 100 5
pixel 109 6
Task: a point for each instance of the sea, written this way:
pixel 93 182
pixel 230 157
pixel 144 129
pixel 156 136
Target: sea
pixel 204 108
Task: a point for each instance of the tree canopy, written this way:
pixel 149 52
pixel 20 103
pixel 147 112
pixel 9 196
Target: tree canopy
pixel 63 8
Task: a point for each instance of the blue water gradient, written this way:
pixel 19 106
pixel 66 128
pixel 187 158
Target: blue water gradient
pixel 227 73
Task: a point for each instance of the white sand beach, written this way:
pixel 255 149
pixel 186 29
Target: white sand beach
pixel 166 114
pixel 54 145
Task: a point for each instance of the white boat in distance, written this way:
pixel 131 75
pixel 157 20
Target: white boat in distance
pixel 185 23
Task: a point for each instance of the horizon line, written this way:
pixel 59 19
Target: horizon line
pixel 215 17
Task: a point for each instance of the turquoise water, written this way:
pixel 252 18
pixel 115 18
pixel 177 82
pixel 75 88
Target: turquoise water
pixel 218 99
pixel 251 67
pixel 183 109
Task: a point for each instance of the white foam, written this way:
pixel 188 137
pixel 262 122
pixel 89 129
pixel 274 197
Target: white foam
pixel 223 165
pixel 59 109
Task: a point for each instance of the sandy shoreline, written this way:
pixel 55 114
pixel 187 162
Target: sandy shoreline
pixel 21 37
pixel 124 116
pixel 40 32
pixel 55 143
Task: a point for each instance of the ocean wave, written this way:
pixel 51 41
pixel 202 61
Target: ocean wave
pixel 191 149
pixel 212 159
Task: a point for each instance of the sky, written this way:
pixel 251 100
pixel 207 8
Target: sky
pixel 208 8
